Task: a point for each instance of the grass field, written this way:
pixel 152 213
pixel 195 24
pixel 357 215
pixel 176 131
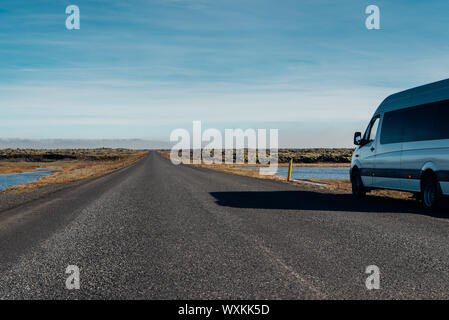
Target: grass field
pixel 77 164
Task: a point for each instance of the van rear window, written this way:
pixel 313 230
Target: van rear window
pixel 419 123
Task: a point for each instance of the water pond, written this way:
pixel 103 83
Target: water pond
pixel 15 179
pixel 308 173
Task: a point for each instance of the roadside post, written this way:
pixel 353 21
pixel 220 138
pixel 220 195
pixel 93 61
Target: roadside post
pixel 289 175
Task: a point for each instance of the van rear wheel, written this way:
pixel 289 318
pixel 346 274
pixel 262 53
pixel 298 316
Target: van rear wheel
pixel 431 194
pixel 358 190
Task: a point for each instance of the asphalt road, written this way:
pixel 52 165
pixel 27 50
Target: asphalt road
pixel 159 231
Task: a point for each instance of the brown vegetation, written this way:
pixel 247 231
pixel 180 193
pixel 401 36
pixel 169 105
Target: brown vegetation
pixel 302 156
pixel 46 155
pixel 77 164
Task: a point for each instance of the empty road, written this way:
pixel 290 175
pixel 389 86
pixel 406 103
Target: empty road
pixel 159 231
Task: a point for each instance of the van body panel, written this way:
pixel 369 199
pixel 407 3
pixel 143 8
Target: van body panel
pixel 367 161
pixel 432 92
pixel 445 187
pixel 361 159
pixel 387 164
pixel 419 156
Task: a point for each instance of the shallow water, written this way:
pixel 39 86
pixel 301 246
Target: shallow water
pixel 15 179
pixel 307 173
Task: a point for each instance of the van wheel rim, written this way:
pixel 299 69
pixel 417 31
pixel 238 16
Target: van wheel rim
pixel 429 196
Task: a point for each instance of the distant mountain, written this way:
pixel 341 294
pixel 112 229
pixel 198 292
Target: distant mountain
pixel 82 143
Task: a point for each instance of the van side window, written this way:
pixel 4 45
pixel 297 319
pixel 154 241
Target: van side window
pixel 419 123
pixel 392 127
pixel 442 120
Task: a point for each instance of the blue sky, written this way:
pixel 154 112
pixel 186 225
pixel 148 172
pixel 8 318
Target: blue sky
pixel 138 69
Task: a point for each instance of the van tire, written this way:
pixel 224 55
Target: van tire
pixel 358 190
pixel 431 194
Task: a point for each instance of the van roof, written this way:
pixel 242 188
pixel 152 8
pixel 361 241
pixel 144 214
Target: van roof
pixel 428 93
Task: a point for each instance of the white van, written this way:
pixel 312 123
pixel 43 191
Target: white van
pixel 406 145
